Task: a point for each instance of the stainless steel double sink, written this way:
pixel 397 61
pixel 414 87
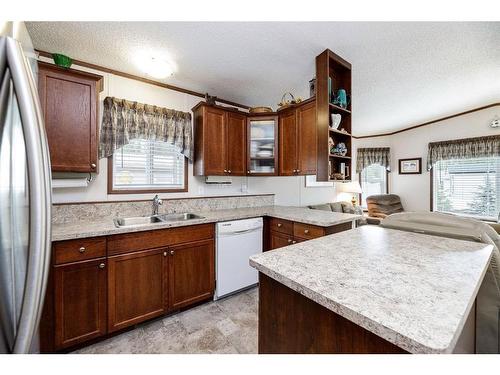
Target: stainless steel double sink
pixel 144 220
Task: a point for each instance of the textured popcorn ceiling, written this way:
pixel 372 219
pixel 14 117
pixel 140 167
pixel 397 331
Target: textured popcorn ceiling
pixel 403 73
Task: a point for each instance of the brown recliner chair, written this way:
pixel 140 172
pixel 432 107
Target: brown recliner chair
pixel 381 206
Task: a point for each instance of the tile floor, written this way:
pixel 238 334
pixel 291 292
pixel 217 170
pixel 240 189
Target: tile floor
pixel 225 326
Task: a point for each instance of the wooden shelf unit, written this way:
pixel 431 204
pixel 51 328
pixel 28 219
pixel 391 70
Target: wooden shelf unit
pixel 330 65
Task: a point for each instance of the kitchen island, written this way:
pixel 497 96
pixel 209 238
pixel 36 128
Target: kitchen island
pixel 370 290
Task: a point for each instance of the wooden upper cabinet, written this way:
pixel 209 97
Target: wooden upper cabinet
pixel 287 143
pixel 236 144
pixel 220 141
pixel 69 100
pixel 297 140
pixel 137 287
pixel 191 273
pixel 306 139
pixel 215 144
pixel 79 302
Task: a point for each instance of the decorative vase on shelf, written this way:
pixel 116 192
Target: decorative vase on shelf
pixel 341 98
pixel 336 118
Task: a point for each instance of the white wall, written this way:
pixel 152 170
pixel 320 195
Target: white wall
pixel 291 190
pixel 288 190
pixel 415 189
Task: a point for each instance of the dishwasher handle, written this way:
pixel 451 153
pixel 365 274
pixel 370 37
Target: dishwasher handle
pixel 242 231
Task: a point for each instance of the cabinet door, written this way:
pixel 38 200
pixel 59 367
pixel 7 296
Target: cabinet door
pixel 79 302
pixel 236 144
pixel 191 273
pixel 287 143
pixel 215 141
pixel 306 139
pixel 262 148
pixel 69 104
pixel 280 240
pixel 137 287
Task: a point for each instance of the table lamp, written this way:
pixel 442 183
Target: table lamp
pixel 351 187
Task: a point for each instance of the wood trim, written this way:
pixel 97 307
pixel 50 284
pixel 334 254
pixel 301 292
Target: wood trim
pixel 322 117
pixel 145 191
pixel 406 173
pixel 141 79
pixel 428 122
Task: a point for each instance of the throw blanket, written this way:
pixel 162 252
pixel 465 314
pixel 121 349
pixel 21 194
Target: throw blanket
pixel 488 298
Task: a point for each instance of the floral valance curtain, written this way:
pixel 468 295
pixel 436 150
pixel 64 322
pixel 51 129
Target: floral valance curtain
pixel 124 121
pixel 368 156
pixel 467 148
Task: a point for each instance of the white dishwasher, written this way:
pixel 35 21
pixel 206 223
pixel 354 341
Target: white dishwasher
pixel 236 241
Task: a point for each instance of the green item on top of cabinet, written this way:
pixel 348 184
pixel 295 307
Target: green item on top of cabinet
pixel 62 60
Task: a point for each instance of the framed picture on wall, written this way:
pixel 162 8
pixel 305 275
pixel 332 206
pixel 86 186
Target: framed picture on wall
pixel 410 166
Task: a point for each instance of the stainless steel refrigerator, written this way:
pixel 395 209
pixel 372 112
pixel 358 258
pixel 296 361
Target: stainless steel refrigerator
pixel 25 194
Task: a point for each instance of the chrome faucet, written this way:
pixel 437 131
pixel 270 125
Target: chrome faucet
pixel 157 202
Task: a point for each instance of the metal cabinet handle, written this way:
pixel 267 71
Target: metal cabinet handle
pixel 306 231
pixel 172 252
pixel 298 171
pixel 294 241
pixel 93 165
pixel 279 225
pixel 102 265
pixel 248 171
pixel 164 253
pixel 289 240
pixel 229 171
pixel 81 250
pixel 225 170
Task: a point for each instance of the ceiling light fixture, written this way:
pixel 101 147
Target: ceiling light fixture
pixel 157 68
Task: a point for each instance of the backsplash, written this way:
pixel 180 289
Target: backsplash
pixel 68 213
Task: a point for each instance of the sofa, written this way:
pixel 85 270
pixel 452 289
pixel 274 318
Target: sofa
pixel 381 206
pixel 344 207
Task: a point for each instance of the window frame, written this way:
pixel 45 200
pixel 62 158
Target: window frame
pixel 144 191
pixel 360 200
pixel 431 173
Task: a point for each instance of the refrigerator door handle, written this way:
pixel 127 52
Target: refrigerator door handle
pixel 39 177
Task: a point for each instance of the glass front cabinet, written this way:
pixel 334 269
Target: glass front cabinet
pixel 262 145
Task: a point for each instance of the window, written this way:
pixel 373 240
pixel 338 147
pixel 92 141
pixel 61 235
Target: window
pixel 467 187
pixel 373 180
pixel 147 166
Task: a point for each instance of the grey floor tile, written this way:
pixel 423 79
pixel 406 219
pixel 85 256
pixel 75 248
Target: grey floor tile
pixel 224 326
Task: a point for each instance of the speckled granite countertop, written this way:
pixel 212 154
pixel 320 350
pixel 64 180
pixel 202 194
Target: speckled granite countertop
pixel 103 227
pixel 413 290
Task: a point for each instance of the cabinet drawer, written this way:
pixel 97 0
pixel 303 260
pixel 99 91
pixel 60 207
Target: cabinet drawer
pixel 278 239
pixel 81 249
pixel 125 243
pixel 307 231
pixel 282 226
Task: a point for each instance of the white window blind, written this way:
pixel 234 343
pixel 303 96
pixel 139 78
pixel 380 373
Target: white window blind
pixel 468 187
pixel 148 165
pixel 373 181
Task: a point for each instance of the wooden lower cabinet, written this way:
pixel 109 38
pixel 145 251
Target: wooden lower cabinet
pixel 79 302
pixel 191 273
pixel 137 287
pixel 282 233
pixel 280 240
